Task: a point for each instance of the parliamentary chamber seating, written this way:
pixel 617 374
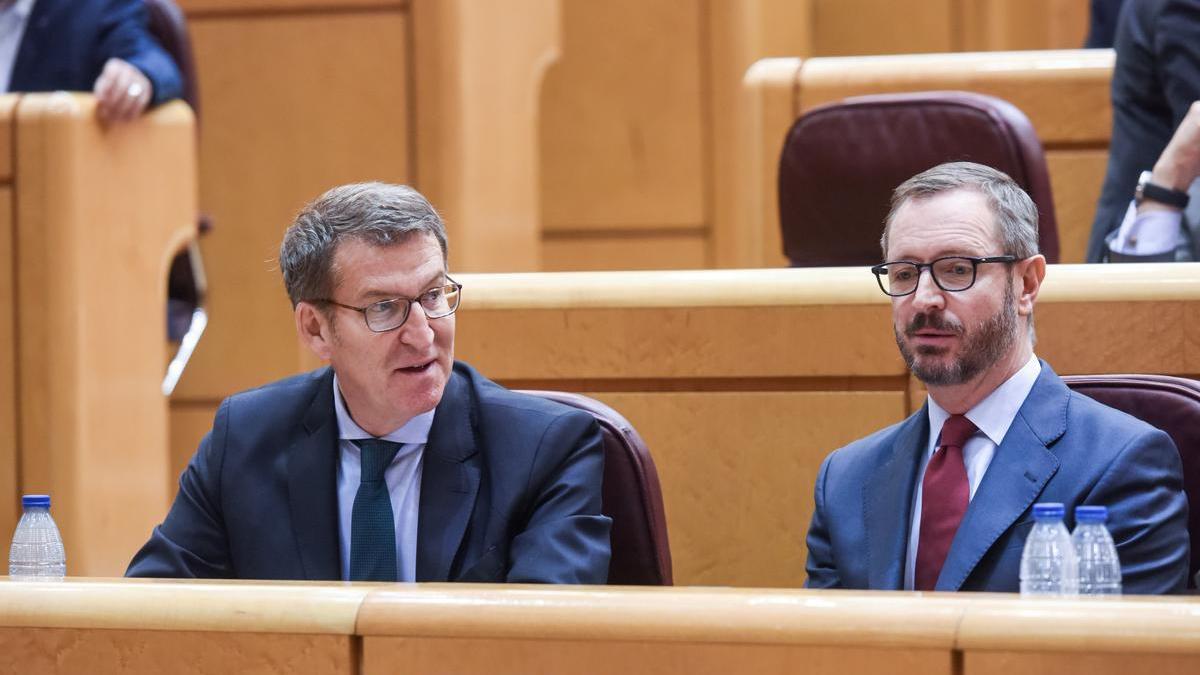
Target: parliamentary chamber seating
pixel 841 161
pixel 1168 403
pixel 632 497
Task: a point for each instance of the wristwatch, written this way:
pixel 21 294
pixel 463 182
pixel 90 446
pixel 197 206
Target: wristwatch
pixel 1157 193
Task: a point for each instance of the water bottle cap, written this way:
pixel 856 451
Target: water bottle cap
pixel 1047 510
pixel 1091 514
pixel 35 500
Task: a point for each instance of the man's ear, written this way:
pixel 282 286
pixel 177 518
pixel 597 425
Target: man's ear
pixel 314 329
pixel 1032 271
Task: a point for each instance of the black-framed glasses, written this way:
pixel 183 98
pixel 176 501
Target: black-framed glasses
pixel 952 273
pixel 390 314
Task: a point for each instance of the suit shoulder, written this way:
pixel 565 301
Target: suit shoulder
pixel 873 449
pixel 498 400
pixel 1115 426
pixel 279 398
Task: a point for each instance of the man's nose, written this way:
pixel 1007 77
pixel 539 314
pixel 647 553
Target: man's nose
pixel 928 294
pixel 416 331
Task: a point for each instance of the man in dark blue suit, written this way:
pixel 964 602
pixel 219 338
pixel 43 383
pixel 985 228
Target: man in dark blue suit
pixel 102 46
pixel 943 500
pixel 396 462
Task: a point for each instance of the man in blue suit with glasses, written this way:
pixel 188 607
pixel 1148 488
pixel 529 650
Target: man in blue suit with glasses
pixel 395 463
pixel 943 500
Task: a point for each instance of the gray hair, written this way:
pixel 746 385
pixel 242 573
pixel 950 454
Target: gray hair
pixel 376 213
pixel 1016 216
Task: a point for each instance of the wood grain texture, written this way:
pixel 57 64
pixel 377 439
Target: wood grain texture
pixel 590 657
pixel 623 113
pixel 907 27
pixel 111 652
pixel 1075 180
pixel 91 293
pixel 293 105
pixel 685 249
pixel 737 470
pixel 198 8
pixel 479 69
pixel 10 466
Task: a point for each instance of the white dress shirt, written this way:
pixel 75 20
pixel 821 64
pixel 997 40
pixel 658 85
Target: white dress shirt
pixel 1151 233
pixel 403 478
pixel 13 18
pixel 993 416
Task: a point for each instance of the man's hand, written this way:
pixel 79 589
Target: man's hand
pixel 122 92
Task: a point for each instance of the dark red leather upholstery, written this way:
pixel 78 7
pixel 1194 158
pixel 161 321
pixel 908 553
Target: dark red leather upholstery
pixel 641 554
pixel 1171 404
pixel 841 161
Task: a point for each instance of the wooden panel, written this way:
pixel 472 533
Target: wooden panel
pixel 91 293
pixel 605 325
pixel 894 27
pixel 478 72
pixel 189 422
pixel 1037 663
pixel 737 470
pixel 65 650
pixel 742 33
pixel 199 7
pixel 8 106
pixel 623 114
pixel 1075 179
pixel 9 458
pixel 283 123
pixel 580 657
pixel 1065 93
pixel 1023 24
pixel 628 251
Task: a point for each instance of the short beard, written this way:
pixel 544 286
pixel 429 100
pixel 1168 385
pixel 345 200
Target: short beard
pixel 982 348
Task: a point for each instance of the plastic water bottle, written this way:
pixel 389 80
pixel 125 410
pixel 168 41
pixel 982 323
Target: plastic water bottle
pixel 37 549
pixel 1099 566
pixel 1048 564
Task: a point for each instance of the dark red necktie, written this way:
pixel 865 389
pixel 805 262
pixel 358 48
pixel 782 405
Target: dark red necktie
pixel 944 498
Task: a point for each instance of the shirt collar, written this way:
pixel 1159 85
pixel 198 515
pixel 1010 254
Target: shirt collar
pixel 416 430
pixel 995 413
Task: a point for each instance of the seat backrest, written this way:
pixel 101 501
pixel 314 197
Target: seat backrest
pixel 841 161
pixel 1168 403
pixel 169 26
pixel 632 497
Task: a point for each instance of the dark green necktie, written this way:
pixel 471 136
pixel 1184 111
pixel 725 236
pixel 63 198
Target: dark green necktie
pixel 372 528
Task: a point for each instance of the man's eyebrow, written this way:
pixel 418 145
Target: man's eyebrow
pixel 377 294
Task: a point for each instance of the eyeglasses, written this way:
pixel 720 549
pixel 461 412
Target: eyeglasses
pixel 390 314
pixel 952 273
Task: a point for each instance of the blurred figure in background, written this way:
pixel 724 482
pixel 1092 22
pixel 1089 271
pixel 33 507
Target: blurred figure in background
pixel 1155 82
pixel 102 46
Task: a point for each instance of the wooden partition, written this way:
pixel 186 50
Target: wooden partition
pixel 89 220
pixel 741 381
pixel 135 627
pixel 552 134
pixel 1064 93
pixel 126 627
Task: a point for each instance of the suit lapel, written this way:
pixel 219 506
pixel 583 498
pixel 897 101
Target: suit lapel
pixel 887 507
pixel 449 482
pixel 1020 469
pixel 312 486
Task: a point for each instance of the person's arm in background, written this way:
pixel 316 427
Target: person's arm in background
pixel 1152 230
pixel 137 71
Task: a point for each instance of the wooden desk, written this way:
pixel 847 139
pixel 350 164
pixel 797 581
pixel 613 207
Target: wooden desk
pixel 135 626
